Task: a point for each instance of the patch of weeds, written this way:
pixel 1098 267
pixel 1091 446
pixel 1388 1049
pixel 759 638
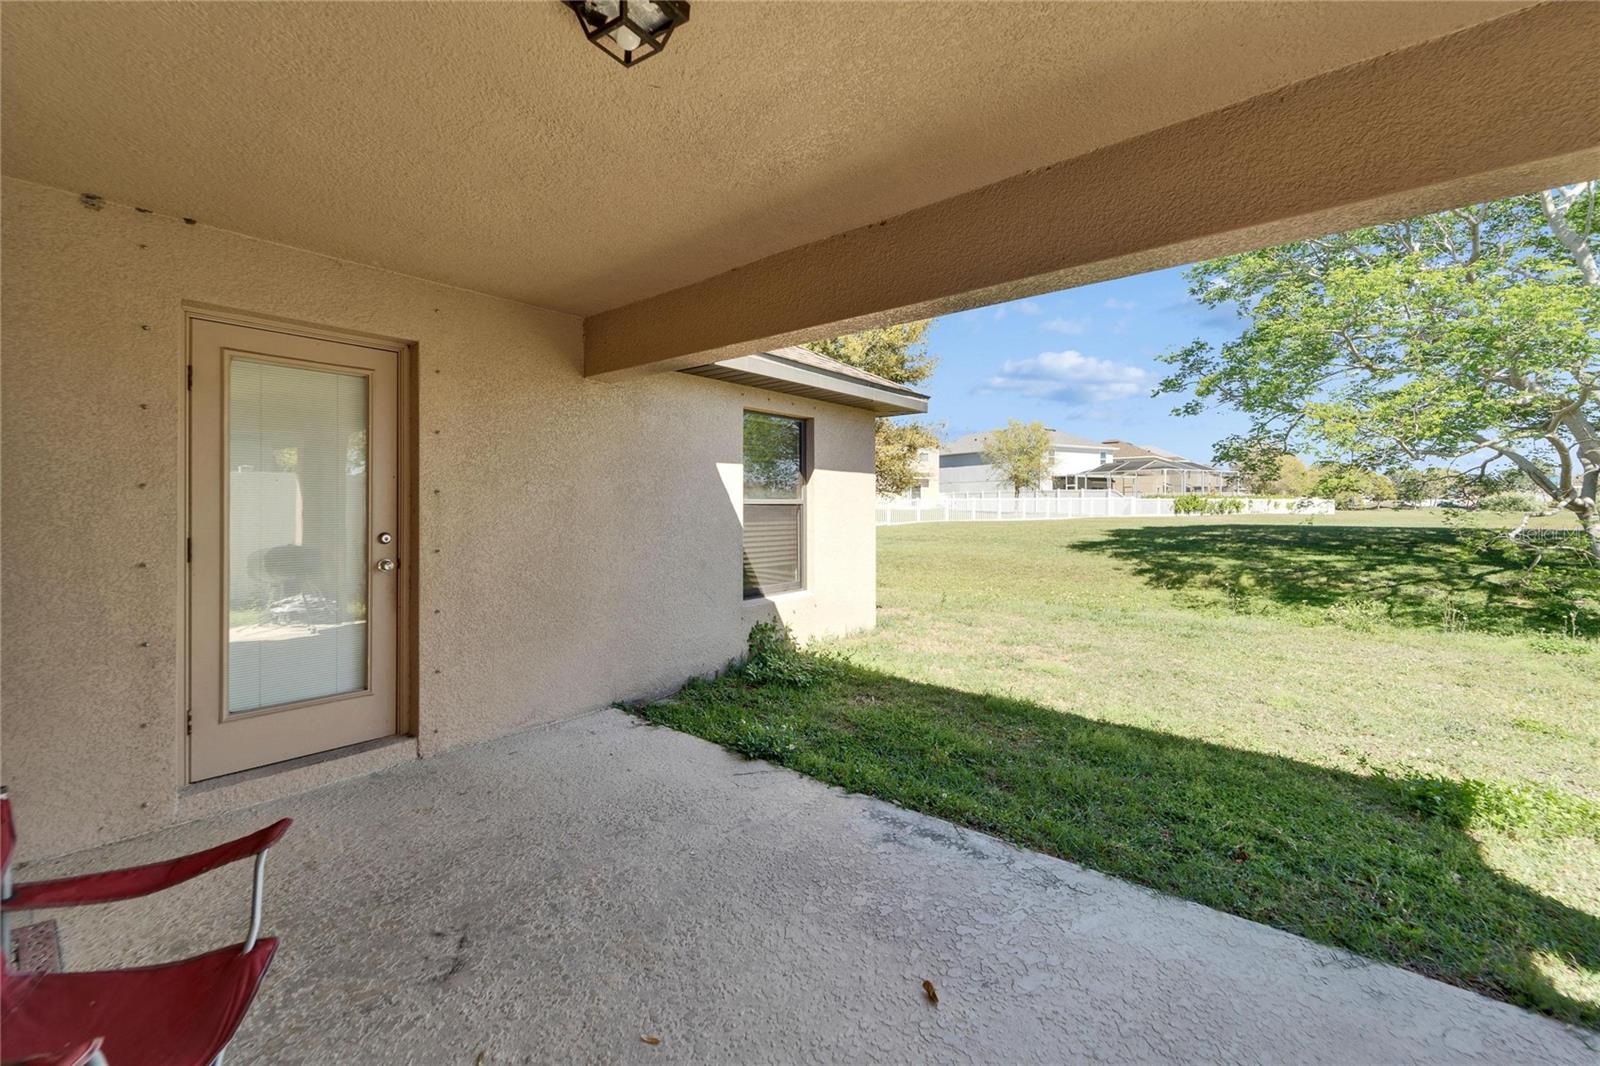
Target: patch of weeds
pixel 1360 616
pixel 773 742
pixel 1561 644
pixel 1237 591
pixel 775 659
pixel 1533 725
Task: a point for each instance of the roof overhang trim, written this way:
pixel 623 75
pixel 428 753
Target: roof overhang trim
pixel 763 370
pixel 1147 464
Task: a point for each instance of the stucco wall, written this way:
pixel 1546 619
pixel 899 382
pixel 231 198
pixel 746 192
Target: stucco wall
pixel 578 539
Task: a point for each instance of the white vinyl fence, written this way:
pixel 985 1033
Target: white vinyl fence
pixel 1011 508
pixel 993 507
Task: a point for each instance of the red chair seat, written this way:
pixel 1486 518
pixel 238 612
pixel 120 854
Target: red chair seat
pixel 78 1055
pixel 171 1014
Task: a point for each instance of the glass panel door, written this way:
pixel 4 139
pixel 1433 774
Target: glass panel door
pixel 297 534
pixel 295 548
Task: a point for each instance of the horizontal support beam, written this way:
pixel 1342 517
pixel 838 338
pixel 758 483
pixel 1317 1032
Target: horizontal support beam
pixel 1504 107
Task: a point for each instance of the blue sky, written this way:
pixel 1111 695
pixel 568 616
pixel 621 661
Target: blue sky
pixel 1082 361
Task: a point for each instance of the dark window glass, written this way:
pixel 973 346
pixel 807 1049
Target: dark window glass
pixel 772 457
pixel 774 477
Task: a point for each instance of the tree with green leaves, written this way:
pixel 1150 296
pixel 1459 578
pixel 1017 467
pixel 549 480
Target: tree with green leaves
pixel 1350 485
pixel 1019 454
pixel 1413 485
pixel 1290 477
pixel 1464 334
pixel 1270 471
pixel 899 447
pixel 900 354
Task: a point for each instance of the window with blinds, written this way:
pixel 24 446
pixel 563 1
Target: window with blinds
pixel 774 489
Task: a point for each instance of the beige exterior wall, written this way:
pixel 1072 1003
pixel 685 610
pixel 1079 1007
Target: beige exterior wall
pixel 578 539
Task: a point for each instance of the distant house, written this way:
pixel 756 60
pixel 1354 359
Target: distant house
pixel 1138 469
pixel 963 468
pixel 1079 463
pixel 927 475
pixel 1126 449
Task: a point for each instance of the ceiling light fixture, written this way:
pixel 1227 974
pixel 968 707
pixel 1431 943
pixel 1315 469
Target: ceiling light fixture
pixel 629 31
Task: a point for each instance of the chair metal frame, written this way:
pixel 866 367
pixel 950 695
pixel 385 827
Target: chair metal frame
pixel 131 883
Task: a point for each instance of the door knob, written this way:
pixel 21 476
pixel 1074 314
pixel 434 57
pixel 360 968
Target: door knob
pixel 386 565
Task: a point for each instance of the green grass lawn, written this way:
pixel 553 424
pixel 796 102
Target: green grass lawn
pixel 1366 728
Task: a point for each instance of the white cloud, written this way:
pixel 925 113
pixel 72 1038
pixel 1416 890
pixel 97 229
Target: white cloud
pixel 1121 305
pixel 1021 307
pixel 1069 326
pixel 1069 377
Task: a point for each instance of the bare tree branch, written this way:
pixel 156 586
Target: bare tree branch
pixel 1527 466
pixel 1555 204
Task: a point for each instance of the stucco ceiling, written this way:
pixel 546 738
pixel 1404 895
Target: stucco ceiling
pixel 489 146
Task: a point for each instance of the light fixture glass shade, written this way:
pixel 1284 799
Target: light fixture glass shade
pixel 629 31
pixel 648 14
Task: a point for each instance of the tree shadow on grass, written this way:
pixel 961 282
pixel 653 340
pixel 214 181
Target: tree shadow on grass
pixel 1381 866
pixel 1412 576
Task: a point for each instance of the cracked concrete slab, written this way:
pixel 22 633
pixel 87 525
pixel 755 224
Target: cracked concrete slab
pixel 564 894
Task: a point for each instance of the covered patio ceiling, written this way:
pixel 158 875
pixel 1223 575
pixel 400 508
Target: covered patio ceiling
pixel 786 170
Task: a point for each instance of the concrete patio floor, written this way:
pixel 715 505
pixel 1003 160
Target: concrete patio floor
pixel 558 894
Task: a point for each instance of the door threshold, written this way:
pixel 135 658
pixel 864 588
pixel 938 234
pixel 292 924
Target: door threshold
pixel 293 776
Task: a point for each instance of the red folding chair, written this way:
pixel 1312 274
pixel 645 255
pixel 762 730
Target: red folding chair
pixel 171 1014
pixel 84 1054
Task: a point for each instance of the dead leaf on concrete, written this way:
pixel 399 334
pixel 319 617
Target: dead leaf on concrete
pixel 931 992
pixel 651 1040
